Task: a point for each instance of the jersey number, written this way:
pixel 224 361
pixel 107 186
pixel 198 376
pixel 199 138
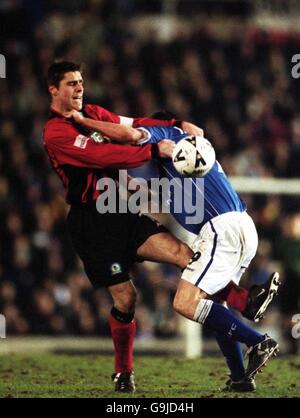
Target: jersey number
pixel 195 257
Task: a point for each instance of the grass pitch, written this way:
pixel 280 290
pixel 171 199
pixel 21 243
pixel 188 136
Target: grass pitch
pixel 88 376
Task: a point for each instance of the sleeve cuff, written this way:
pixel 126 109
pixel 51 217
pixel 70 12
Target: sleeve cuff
pixel 126 121
pixel 146 138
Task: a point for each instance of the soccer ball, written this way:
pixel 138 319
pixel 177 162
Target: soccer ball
pixel 193 156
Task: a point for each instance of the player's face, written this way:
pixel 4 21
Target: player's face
pixel 69 94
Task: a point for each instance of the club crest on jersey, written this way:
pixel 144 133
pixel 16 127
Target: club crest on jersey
pixel 115 268
pixel 81 141
pixel 97 137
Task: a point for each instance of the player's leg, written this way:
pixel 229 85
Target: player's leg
pixel 146 239
pixel 193 303
pixel 252 303
pixel 224 251
pixel 260 297
pixel 101 241
pixel 235 296
pixel 233 353
pixel 234 356
pixel 165 248
pixel 123 330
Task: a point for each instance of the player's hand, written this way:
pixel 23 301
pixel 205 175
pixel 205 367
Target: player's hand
pixel 165 148
pixel 191 129
pixel 76 116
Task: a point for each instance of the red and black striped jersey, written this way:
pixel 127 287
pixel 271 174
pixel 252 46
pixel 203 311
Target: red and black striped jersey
pixel 80 161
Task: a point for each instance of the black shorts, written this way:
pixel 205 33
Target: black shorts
pixel 107 243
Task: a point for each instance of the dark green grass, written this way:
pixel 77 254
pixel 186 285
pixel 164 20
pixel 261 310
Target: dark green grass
pixel 50 375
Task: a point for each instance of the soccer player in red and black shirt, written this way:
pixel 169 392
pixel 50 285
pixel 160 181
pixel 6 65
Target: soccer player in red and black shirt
pixel 109 243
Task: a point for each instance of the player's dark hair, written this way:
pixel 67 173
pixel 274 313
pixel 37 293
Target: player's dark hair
pixel 57 71
pixel 163 115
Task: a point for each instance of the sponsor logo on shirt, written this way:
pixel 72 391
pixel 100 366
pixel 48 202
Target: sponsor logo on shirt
pixel 97 137
pixel 81 141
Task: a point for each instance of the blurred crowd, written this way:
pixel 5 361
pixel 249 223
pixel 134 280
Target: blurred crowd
pixel 239 90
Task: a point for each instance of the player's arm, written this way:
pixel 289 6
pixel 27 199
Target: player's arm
pixel 126 134
pixel 191 129
pixel 113 131
pixel 188 127
pixel 79 150
pixel 106 115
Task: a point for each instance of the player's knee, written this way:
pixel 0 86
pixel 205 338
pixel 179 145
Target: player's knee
pixel 180 304
pixel 177 305
pixel 183 307
pixel 187 299
pixel 127 301
pixel 131 301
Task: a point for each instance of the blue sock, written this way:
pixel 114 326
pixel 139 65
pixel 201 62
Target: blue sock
pixel 233 353
pixel 223 321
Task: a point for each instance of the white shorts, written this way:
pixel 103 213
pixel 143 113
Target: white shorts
pixel 223 250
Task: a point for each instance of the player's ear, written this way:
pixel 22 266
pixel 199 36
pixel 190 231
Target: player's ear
pixel 53 90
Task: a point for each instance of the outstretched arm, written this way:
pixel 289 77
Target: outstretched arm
pixel 114 131
pixel 123 133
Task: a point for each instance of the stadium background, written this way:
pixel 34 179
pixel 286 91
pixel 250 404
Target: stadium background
pixel 225 65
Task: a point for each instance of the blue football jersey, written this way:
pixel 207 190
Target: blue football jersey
pixel 194 201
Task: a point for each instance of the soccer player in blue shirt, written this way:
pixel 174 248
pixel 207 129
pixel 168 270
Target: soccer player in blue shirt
pixel 225 245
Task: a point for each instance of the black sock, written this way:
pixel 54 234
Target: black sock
pixel 126 318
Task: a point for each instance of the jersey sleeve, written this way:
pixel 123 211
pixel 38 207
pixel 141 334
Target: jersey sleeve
pixel 69 147
pixel 152 122
pixel 155 134
pixel 100 113
pixel 105 115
